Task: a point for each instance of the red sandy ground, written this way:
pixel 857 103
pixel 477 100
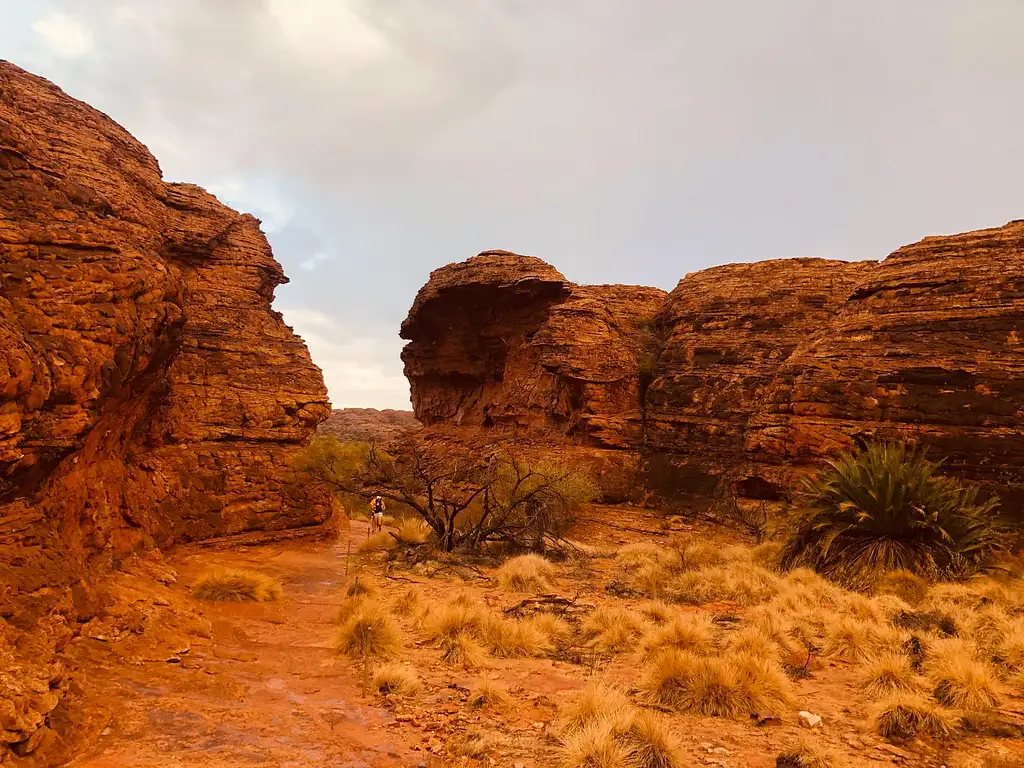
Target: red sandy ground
pixel 261 684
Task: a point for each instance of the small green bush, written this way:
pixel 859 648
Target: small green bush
pixel 887 509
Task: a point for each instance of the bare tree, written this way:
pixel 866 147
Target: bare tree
pixel 467 499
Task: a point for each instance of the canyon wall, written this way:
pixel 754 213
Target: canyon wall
pixel 148 392
pixel 743 374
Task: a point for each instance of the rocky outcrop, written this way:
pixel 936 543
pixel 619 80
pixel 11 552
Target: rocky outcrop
pixel 928 347
pixel 745 373
pixel 725 334
pixel 505 341
pixel 368 425
pixel 148 393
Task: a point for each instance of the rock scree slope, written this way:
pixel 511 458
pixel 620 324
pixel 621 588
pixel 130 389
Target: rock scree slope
pixel 148 392
pixel 743 374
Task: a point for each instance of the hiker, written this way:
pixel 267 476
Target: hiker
pixel 377 514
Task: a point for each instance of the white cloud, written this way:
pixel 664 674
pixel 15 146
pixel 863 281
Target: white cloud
pixel 327 28
pixel 359 370
pixel 313 261
pixel 64 36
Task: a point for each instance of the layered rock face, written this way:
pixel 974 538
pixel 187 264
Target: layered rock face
pixel 503 340
pixel 744 374
pixel 928 347
pixel 725 334
pixel 148 393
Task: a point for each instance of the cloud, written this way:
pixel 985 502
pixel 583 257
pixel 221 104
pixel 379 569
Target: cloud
pixel 358 369
pixel 64 36
pixel 624 142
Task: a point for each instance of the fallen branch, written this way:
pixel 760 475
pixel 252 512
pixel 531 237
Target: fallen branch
pixel 565 602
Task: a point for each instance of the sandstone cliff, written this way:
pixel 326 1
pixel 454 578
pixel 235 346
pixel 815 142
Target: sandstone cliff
pixel 744 373
pixel 148 393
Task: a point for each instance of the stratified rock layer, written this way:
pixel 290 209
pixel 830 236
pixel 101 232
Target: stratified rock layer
pixel 505 340
pixel 745 373
pixel 148 393
pixel 928 347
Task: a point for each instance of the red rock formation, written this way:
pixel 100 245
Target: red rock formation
pixel 148 393
pixel 747 373
pixel 505 340
pixel 929 347
pixel 725 333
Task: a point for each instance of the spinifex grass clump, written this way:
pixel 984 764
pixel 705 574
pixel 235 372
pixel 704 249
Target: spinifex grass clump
pixel 396 679
pixel 888 509
pixel 232 585
pixel 527 573
pixel 369 632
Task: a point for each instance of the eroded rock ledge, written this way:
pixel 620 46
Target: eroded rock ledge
pixel 744 373
pixel 148 392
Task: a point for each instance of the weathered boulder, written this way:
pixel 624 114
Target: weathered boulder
pixel 148 392
pixel 505 341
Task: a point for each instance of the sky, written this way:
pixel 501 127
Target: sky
pixel 623 141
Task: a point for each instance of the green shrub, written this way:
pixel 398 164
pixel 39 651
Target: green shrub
pixel 887 509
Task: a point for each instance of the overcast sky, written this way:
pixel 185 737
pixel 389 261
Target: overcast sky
pixel 627 141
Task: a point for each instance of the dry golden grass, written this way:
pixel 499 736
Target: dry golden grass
pixel 476 744
pixel 452 619
pixel 961 682
pixel 686 631
pixel 907 716
pixel 362 585
pixel 888 675
pixel 396 679
pixel 595 746
pixel 652 580
pixel 594 705
pixel 514 638
pixel 779 626
pixel 809 754
pixel 379 542
pixel 941 652
pixel 611 629
pixel 729 686
pixel 905 585
pixel 640 553
pixel 370 632
pixel 649 743
pixel 462 650
pixel 488 695
pixel 413 531
pixel 527 573
pixel 972 595
pixel 350 605
pixel 408 602
pixel 237 585
pixel 1011 650
pixel 698 553
pixel 658 611
pixel 988 627
pixel 754 640
pixel 853 639
pixel 555 629
pixel 740 581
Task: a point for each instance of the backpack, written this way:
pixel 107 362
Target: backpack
pixel 378 505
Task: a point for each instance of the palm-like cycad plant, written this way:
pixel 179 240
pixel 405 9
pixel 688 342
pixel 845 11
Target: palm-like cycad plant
pixel 886 508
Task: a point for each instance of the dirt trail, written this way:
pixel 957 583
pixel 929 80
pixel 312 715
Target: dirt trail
pixel 266 688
